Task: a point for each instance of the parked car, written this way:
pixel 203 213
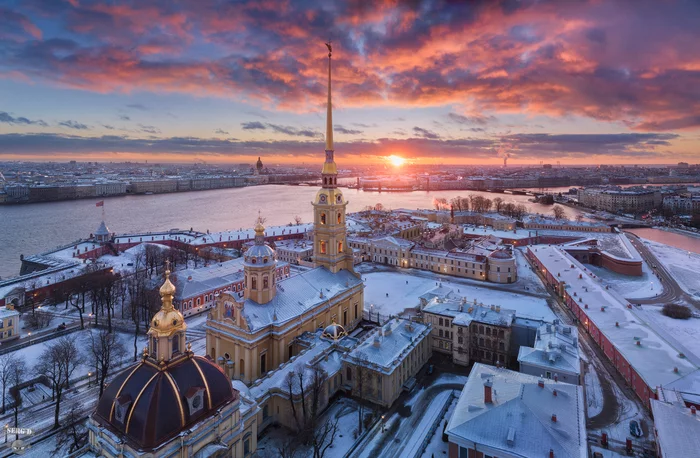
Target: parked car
pixel 430 370
pixel 635 430
pixel 61 327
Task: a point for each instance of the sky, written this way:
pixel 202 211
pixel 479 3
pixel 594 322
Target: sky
pixel 435 82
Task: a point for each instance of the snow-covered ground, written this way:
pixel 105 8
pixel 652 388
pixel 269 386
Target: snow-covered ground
pixel 684 334
pixel 345 410
pixel 527 277
pixel 594 392
pixel 683 265
pixel 629 287
pixel 404 291
pixel 436 447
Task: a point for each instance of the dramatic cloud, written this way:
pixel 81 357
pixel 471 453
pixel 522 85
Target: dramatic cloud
pixel 9 119
pixel 149 129
pixel 536 146
pixel 73 125
pixel 343 130
pixel 425 133
pixel 253 125
pixel 634 63
pixel 280 129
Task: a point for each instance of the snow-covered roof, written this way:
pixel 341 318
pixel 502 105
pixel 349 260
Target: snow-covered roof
pixel 439 291
pixel 519 420
pixel 320 352
pixel 385 347
pixel 677 429
pixel 205 279
pixel 297 246
pixel 7 313
pixel 298 294
pixel 464 312
pixel 655 359
pixel 556 347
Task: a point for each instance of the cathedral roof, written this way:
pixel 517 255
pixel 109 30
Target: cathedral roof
pixel 149 404
pixel 297 294
pixel 102 230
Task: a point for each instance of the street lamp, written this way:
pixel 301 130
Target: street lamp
pixel 7 426
pixel 383 423
pixel 89 378
pixel 29 334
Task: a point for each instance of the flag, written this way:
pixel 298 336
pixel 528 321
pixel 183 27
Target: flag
pixel 100 204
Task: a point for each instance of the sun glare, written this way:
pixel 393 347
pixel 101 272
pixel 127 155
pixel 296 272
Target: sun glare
pixel 396 161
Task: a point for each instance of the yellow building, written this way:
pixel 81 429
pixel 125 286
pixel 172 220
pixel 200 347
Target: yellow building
pixel 251 333
pixel 9 318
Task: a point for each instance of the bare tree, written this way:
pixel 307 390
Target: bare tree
pixel 75 434
pixel 57 363
pixel 379 207
pixel 297 220
pixel 579 218
pixel 440 203
pixel 498 204
pixel 520 211
pixel 323 437
pixel 456 203
pixel 362 382
pixel 7 362
pixel 18 372
pixel 104 349
pixel 38 319
pixel 558 212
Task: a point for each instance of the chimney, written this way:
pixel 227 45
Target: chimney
pixel 556 378
pixel 487 392
pixel 693 410
pixel 554 392
pixel 540 382
pixel 554 418
pixel 551 453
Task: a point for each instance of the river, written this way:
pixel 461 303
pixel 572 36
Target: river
pixel 34 228
pixel 684 242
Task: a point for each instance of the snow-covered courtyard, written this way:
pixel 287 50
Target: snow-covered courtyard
pixel 628 286
pixel 683 265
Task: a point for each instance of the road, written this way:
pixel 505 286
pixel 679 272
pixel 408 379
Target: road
pixel 672 291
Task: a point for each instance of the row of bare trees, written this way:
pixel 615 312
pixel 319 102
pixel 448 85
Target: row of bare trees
pixel 480 204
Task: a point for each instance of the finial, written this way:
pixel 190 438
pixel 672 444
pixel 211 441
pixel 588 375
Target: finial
pixel 167 268
pixel 145 353
pixel 189 347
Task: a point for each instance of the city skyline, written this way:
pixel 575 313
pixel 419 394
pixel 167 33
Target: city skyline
pixel 430 83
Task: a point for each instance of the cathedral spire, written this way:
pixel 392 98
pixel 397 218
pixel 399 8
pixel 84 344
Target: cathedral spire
pixel 329 108
pixel 329 174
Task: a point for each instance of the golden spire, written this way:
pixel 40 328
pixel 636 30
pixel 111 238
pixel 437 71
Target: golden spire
pixel 329 108
pixel 259 228
pixel 330 170
pixel 167 291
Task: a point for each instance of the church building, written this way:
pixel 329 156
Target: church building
pixel 172 403
pixel 251 332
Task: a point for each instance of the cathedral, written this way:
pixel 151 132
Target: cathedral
pixel 251 332
pixel 172 403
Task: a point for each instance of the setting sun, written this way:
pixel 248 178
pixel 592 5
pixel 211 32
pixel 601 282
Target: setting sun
pixel 396 161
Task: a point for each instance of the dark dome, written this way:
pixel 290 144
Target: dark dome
pixel 149 404
pixel 334 331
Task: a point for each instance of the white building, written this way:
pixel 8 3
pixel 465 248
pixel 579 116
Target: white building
pixel 512 415
pixel 676 428
pixel 294 251
pixel 555 354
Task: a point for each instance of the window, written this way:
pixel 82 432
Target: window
pixel 322 244
pixel 254 282
pixel 340 247
pixel 440 324
pixel 340 218
pixel 263 363
pixel 323 218
pixel 460 340
pixel 440 332
pixel 176 344
pixel 266 282
pixel 265 412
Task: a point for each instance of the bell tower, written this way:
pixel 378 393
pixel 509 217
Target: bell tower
pixel 260 267
pixel 330 247
pixel 166 336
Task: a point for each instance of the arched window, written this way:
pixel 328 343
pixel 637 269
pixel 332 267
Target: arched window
pixel 323 218
pixel 242 368
pixel 176 344
pixel 322 244
pixel 266 282
pixel 340 247
pixel 340 218
pixel 254 282
pixel 154 347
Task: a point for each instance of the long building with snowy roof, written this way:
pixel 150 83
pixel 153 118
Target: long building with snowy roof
pixel 646 359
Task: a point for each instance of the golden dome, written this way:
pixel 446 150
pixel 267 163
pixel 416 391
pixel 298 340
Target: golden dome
pixel 259 228
pixel 329 196
pixel 168 289
pixel 165 322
